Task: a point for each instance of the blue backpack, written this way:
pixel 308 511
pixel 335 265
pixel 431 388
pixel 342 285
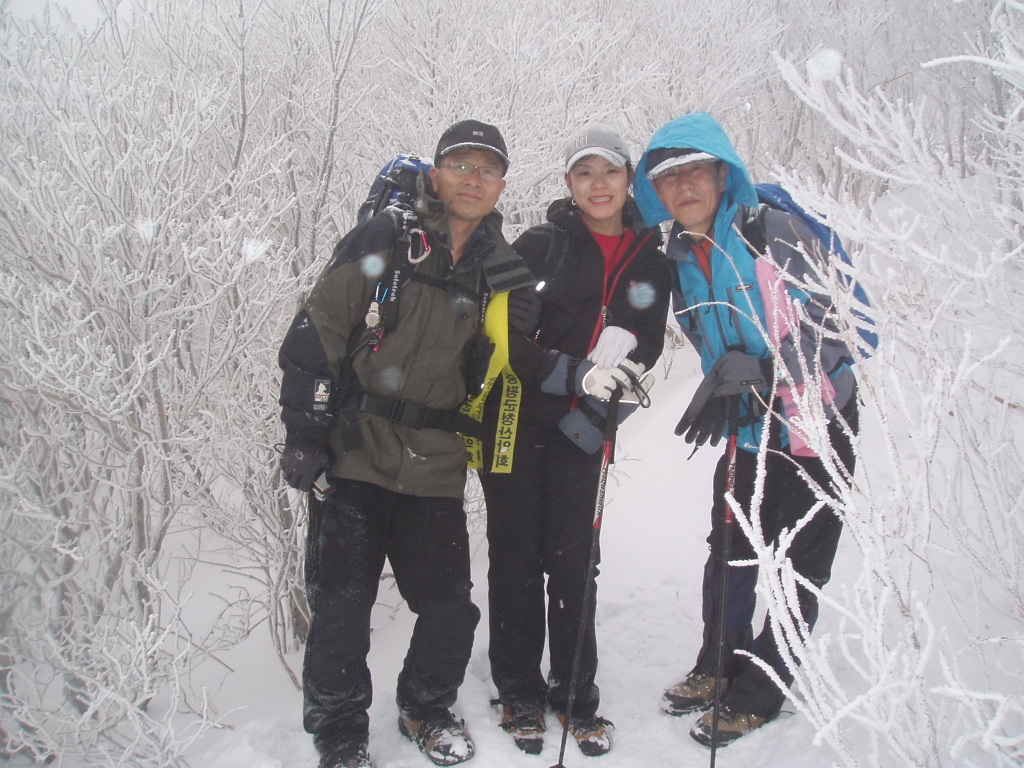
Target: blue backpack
pixel 395 184
pixel 775 196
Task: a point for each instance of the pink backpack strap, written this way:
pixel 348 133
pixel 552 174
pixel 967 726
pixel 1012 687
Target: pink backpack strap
pixel 781 319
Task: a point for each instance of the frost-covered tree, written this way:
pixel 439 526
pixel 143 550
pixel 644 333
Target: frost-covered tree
pixel 173 181
pixel 164 180
pixel 541 71
pixel 936 516
pixel 881 47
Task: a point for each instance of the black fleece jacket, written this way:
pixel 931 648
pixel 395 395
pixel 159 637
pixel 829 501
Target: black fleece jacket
pixel 571 302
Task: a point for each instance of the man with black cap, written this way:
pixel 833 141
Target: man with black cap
pixel 370 397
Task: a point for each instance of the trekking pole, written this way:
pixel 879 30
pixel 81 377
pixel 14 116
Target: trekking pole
pixel 609 446
pixel 728 520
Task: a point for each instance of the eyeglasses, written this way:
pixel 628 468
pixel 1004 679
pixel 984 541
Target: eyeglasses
pixel 487 173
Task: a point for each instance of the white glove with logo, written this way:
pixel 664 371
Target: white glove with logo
pixel 602 383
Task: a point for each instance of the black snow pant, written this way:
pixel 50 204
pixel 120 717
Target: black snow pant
pixel 540 521
pixel 787 499
pixel 426 541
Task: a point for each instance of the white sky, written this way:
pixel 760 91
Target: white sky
pixel 81 11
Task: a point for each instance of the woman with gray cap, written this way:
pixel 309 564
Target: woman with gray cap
pixel 603 290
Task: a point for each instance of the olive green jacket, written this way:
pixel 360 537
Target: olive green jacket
pixel 330 355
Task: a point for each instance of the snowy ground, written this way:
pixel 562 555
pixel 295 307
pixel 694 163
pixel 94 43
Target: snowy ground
pixel 656 519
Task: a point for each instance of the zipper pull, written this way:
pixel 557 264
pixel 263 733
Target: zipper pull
pixel 604 316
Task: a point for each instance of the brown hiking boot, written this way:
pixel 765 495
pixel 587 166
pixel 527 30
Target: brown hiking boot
pixel 695 693
pixel 442 738
pixel 525 724
pixel 353 757
pixel 731 726
pixel 591 734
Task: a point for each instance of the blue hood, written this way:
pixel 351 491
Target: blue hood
pixel 700 131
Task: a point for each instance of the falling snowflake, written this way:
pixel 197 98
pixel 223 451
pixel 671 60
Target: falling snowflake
pixel 146 229
pixel 641 295
pixel 373 265
pixel 254 249
pixel 825 64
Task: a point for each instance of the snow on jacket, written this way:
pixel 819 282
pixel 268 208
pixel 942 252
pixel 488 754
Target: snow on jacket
pixel 420 361
pixel 571 302
pixel 729 311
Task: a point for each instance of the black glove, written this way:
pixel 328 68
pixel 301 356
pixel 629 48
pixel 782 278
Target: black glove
pixel 301 466
pixel 733 374
pixel 708 422
pixel 706 414
pixel 523 311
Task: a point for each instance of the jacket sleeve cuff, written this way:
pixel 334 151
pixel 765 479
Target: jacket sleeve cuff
pixel 308 438
pixel 562 379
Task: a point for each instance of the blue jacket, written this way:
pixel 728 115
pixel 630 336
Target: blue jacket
pixel 729 312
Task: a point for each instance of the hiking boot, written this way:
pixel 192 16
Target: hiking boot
pixel 524 722
pixel 731 726
pixel 591 734
pixel 355 757
pixel 442 738
pixel 695 693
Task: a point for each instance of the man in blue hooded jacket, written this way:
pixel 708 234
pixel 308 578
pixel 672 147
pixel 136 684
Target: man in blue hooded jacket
pixel 727 301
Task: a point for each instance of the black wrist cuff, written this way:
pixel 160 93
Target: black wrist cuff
pixel 570 373
pixel 316 439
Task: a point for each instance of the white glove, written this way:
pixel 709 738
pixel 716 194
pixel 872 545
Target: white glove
pixel 612 346
pixel 639 390
pixel 599 382
pixel 602 383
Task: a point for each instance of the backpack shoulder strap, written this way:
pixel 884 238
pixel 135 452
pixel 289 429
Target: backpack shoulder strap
pixel 395 269
pixel 558 247
pixel 753 231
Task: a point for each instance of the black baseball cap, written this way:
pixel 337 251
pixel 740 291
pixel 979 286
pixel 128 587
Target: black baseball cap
pixel 471 134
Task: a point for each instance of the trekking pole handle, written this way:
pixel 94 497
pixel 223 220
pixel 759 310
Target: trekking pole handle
pixel 732 410
pixel 611 423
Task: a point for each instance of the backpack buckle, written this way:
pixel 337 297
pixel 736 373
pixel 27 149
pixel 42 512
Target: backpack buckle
pixel 407 413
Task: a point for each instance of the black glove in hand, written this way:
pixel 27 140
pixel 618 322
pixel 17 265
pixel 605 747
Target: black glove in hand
pixel 708 422
pixel 706 414
pixel 733 374
pixel 523 311
pixel 301 466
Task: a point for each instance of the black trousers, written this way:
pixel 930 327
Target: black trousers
pixel 350 534
pixel 787 500
pixel 540 522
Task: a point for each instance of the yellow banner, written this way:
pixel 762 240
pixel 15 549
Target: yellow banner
pixel 496 328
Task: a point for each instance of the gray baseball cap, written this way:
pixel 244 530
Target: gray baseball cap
pixel 597 139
